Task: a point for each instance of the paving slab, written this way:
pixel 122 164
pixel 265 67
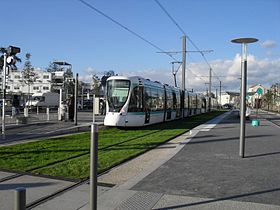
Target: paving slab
pixel 196 203
pixel 73 199
pixel 209 166
pixel 36 187
pixel 4 174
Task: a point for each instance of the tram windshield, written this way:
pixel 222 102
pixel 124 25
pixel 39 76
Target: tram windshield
pixel 117 93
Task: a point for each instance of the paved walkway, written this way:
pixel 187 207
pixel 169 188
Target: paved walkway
pixel 198 170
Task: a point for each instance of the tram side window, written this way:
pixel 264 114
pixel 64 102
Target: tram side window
pixel 174 100
pixel 192 102
pixel 199 103
pixel 169 100
pixel 135 103
pixel 204 103
pixel 154 99
pixel 147 98
pixel 160 100
pixel 178 101
pixel 186 101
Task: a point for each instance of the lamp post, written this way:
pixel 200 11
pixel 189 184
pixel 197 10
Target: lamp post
pixel 62 63
pixel 243 42
pixel 4 94
pixel 9 59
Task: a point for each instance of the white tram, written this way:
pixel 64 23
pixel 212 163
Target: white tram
pixel 135 101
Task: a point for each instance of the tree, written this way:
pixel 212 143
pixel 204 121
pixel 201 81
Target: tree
pixel 95 84
pixel 69 84
pixel 106 75
pixel 53 67
pixel 268 99
pixel 29 75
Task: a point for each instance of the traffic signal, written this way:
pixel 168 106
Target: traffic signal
pixel 11 50
pixel 11 60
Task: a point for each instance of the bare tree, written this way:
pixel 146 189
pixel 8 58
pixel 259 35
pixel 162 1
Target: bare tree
pixel 29 75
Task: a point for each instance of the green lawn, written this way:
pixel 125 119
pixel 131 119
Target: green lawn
pixel 69 156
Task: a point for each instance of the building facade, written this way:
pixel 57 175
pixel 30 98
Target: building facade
pixel 232 98
pixel 17 85
pixel 255 95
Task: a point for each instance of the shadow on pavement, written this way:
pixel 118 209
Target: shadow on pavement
pixel 25 185
pixel 220 199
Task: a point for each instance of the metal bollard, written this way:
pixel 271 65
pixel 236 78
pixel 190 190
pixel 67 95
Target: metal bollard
pixel 37 110
pixel 58 114
pixel 20 198
pixel 93 166
pixel 48 113
pixel 25 112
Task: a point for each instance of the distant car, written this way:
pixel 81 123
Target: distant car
pixel 227 106
pixel 8 106
pixel 87 104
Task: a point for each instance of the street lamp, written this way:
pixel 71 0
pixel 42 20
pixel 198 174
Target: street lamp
pixel 62 63
pixel 243 42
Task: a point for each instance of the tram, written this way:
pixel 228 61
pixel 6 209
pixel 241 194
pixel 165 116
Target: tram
pixel 135 101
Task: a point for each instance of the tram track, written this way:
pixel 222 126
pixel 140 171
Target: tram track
pixel 57 193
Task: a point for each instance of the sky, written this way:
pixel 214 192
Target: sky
pixel 68 30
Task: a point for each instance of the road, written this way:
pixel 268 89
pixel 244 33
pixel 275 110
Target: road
pixel 39 127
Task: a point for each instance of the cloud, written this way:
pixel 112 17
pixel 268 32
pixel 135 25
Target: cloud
pixel 268 44
pixel 260 71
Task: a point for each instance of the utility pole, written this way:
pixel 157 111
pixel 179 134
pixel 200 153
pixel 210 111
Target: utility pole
pixel 220 94
pixel 210 80
pixel 76 99
pixel 183 72
pixel 184 63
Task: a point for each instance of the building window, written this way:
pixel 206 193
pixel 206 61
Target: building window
pixel 45 88
pixel 46 76
pixel 35 88
pixel 17 76
pixel 16 88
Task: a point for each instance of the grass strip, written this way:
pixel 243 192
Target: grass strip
pixel 69 156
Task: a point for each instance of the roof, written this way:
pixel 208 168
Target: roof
pixel 232 93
